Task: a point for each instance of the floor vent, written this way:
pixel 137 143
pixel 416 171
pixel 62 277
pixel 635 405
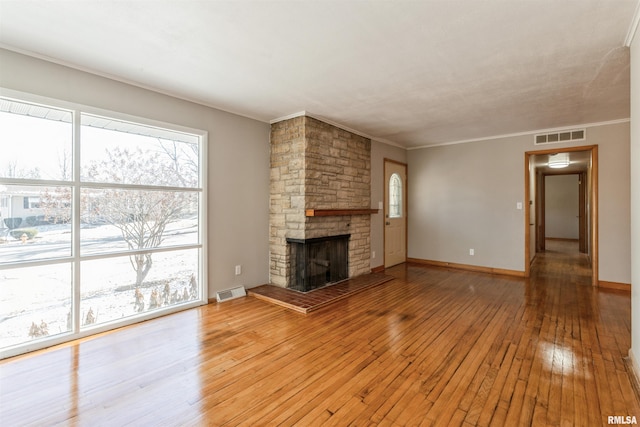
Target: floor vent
pixel 228 294
pixel 562 136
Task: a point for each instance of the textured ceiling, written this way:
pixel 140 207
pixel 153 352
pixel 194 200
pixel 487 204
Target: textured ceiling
pixel 407 72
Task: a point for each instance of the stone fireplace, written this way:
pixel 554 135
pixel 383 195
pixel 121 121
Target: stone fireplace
pixel 320 188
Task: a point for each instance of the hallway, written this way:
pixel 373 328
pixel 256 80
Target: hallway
pixel 562 261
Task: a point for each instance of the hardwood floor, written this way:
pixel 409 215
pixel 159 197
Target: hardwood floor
pixel 431 347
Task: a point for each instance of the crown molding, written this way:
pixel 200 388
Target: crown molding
pixel 355 131
pixel 630 36
pixel 288 117
pixel 336 124
pixel 633 28
pixel 123 80
pixel 527 133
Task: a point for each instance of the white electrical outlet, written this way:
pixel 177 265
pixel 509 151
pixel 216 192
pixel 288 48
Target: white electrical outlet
pixel 373 254
pixel 472 252
pixel 238 270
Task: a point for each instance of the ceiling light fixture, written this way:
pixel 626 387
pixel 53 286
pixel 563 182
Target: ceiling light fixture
pixel 558 160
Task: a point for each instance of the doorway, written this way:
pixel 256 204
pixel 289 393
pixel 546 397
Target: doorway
pixel 562 214
pixel 584 165
pixel 395 213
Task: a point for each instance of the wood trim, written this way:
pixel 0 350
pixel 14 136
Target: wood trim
pixel 405 202
pixel 562 239
pixel 615 285
pixel 583 224
pixel 560 172
pixel 386 159
pixel 541 212
pixel 467 267
pixel 594 255
pixel 378 269
pixel 339 212
pixel 527 215
pixel 562 150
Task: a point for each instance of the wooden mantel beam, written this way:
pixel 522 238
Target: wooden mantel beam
pixel 340 212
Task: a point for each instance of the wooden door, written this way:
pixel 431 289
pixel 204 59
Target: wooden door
pixel 540 219
pixel 583 214
pixel 395 213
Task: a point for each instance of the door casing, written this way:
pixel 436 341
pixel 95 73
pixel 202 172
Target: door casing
pixel 388 165
pixel 593 208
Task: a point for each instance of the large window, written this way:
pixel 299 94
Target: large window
pixel 101 222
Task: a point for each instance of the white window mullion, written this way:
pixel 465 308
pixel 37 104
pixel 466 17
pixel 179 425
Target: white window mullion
pixel 72 272
pixel 76 205
pixel 203 215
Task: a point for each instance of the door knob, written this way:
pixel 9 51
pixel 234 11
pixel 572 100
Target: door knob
pixel 388 223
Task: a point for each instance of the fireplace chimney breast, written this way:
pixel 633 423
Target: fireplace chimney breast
pixel 315 165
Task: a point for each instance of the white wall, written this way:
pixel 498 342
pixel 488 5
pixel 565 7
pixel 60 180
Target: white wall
pixel 614 203
pixel 561 206
pixel 464 196
pixel 238 156
pixel 635 202
pixel 379 152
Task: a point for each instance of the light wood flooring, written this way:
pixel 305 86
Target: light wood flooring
pixel 431 347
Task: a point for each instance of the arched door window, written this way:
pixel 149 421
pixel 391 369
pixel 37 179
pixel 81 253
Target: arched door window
pixel 395 196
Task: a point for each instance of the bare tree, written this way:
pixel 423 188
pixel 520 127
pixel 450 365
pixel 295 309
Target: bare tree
pixel 56 201
pixel 140 215
pixel 64 162
pixel 14 171
pixel 184 160
pixel 56 204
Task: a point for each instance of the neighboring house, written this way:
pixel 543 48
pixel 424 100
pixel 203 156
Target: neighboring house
pixel 20 203
pixel 25 204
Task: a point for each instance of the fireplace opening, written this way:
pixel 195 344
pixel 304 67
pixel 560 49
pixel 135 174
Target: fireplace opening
pixel 318 262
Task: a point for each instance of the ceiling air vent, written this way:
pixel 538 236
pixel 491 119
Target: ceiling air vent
pixel 562 136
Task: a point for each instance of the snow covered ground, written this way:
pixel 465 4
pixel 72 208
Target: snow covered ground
pixel 38 300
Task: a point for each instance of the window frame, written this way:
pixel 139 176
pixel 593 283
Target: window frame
pixel 76 258
pixel 393 212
